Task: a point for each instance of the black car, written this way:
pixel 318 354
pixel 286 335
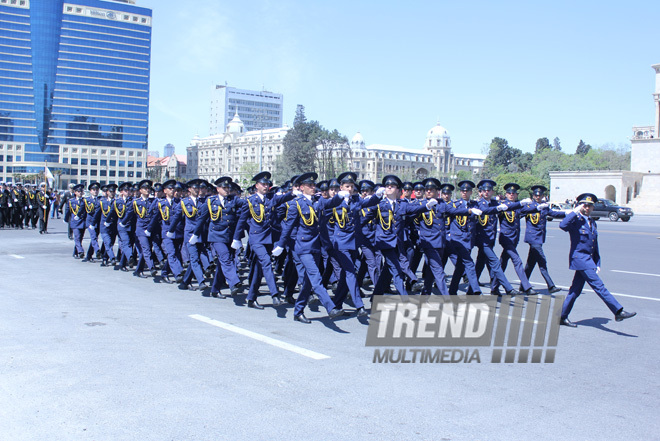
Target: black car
pixel 607 208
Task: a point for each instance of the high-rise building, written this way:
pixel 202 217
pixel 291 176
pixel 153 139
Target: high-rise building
pixel 74 89
pixel 257 109
pixel 168 150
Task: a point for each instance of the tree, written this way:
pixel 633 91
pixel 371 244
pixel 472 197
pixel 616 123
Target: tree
pixel 556 145
pixel 582 148
pixel 500 156
pixel 299 147
pixel 525 180
pixel 246 172
pixel 542 144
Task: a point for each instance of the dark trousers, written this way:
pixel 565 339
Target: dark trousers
pixel 172 249
pixel 125 245
pixel 536 256
pixel 347 279
pixel 591 277
pixel 108 242
pixel 511 253
pixel 226 268
pixel 195 252
pixel 464 264
pixel 435 270
pixel 78 234
pixel 392 258
pixel 488 257
pixel 144 251
pixel 290 276
pixel 309 267
pixel 261 267
pixel 93 243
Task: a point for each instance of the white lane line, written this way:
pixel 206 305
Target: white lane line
pixel 16 256
pixel 262 338
pixel 633 272
pixel 591 290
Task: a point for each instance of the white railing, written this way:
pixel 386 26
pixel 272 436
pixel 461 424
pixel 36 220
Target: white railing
pixel 646 132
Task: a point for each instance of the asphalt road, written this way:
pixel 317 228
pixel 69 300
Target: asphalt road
pixel 91 353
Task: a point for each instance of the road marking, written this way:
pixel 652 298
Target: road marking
pixel 633 272
pixel 262 338
pixel 591 290
pixel 16 256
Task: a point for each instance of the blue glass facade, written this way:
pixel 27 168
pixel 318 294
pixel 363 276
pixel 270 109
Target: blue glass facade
pixel 73 73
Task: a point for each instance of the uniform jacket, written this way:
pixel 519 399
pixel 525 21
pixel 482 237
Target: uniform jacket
pixel 432 223
pixel 123 213
pixel 304 214
pixel 256 215
pixel 391 223
pixel 143 214
pixel 220 218
pixel 74 213
pixel 347 220
pixel 187 215
pixel 462 227
pixel 536 223
pixel 487 222
pixel 92 207
pixel 584 253
pixel 164 214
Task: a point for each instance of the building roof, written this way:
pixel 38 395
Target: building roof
pixel 470 155
pixel 396 149
pixel 152 161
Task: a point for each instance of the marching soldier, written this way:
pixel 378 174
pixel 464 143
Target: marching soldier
pixel 142 206
pixel 584 258
pixel 164 211
pixel 221 211
pixel 255 219
pixel 510 236
pixel 307 244
pixel 108 225
pixel 75 215
pixel 123 213
pixel 43 207
pixel 535 235
pixel 4 205
pixel 92 207
pixel 485 237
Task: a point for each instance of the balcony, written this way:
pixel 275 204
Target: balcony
pixel 646 132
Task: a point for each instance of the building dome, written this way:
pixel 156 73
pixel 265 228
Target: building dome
pixel 438 137
pixel 438 131
pixel 358 141
pixel 235 125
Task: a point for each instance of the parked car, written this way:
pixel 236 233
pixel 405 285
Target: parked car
pixel 559 206
pixel 607 208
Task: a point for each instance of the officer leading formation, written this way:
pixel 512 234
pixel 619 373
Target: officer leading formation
pixel 318 237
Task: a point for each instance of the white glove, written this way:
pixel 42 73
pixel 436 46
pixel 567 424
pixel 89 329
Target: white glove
pixel 76 218
pixel 106 224
pixel 147 233
pixel 526 201
pixel 30 207
pixel 297 192
pixel 170 235
pixel 343 194
pixel 502 207
pixel 10 205
pixel 122 225
pixel 476 211
pixel 380 192
pixel 431 203
pixel 578 208
pixel 91 227
pixel 236 244
pixel 542 206
pixel 277 251
pixel 597 269
pixel 193 240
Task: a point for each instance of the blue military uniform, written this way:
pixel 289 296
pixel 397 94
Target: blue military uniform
pixel 584 258
pixel 165 210
pixel 108 226
pixel 535 232
pixel 92 223
pixel 76 216
pixel 144 213
pixel 308 246
pixel 123 213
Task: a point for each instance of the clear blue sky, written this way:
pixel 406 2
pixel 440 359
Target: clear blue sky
pixel 392 69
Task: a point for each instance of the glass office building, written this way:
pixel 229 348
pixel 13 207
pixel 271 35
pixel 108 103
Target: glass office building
pixel 74 89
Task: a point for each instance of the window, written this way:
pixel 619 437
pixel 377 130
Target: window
pixel 18 159
pixel 103 173
pixel 64 160
pixel 83 161
pixel 122 163
pixel 121 173
pixel 139 164
pixel 104 152
pixel 138 174
pixel 94 151
pixel 73 172
pixel 74 161
pixel 74 150
pixel 92 172
pixel 113 163
pixel 131 164
pixel 83 172
pixel 65 150
pixel 93 161
pixel 104 162
pixel 113 173
pixel 84 151
pixel 130 153
pixel 130 174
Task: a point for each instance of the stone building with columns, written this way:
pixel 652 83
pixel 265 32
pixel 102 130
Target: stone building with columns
pixel 637 188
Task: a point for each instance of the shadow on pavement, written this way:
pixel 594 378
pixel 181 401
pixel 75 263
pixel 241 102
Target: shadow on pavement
pixel 599 322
